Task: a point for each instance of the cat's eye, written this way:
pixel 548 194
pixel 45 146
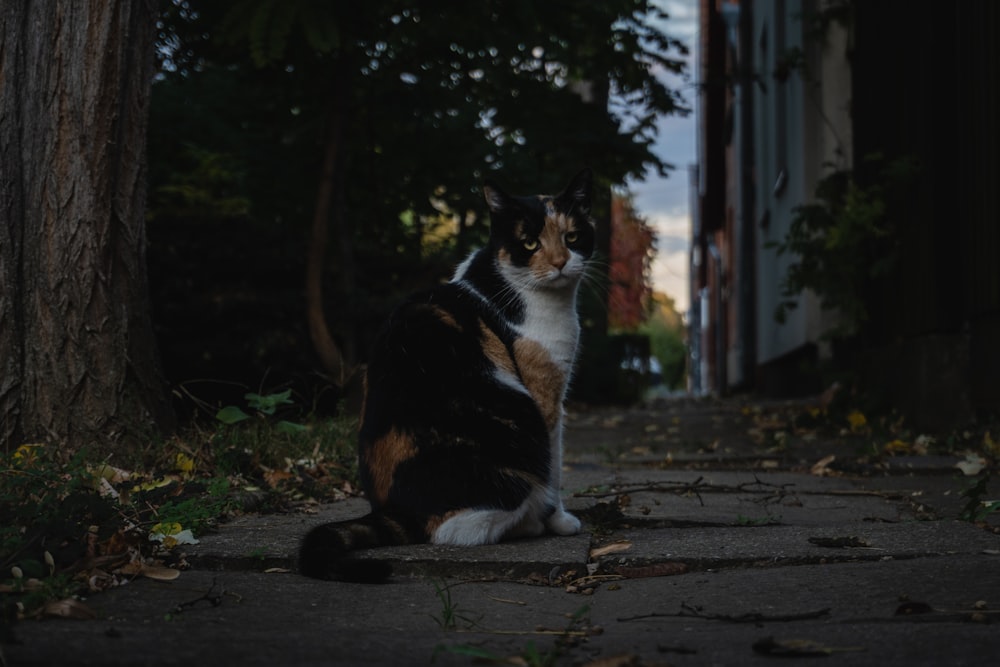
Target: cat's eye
pixel 530 244
pixel 571 237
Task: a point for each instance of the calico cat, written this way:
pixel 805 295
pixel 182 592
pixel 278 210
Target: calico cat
pixel 462 424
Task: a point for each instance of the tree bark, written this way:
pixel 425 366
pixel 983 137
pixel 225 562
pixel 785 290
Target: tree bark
pixel 78 364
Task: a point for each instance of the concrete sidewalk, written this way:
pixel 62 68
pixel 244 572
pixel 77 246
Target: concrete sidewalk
pixel 703 547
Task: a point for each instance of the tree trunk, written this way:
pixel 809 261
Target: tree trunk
pixel 329 204
pixel 78 363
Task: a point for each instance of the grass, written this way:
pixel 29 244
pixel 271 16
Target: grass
pixel 977 508
pixel 449 616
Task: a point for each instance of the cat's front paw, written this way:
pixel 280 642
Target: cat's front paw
pixel 563 523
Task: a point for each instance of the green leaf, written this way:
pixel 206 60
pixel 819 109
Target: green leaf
pixel 269 403
pixel 289 428
pixel 231 415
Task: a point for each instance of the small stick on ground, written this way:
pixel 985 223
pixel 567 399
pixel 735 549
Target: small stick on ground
pixel 687 611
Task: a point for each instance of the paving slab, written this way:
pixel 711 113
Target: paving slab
pixel 699 618
pixel 728 547
pixel 259 542
pixel 730 497
pixel 733 556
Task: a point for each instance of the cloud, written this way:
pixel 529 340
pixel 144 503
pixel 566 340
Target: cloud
pixel 670 267
pixel 663 202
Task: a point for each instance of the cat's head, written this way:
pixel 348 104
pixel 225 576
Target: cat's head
pixel 542 241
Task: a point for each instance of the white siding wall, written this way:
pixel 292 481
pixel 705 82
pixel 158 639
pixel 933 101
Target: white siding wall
pixel 799 126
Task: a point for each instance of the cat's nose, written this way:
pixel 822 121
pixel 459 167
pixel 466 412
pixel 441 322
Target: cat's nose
pixel 560 262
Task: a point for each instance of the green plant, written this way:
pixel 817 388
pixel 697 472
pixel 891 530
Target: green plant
pixel 257 553
pixel 298 456
pixel 196 513
pixel 977 509
pixel 43 497
pixel 842 242
pixel 265 406
pixel 450 616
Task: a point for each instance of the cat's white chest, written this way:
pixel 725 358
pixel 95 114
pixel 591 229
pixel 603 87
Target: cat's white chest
pixel 550 320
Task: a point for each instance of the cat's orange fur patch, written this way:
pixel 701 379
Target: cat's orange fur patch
pixel 495 350
pixel 434 522
pixel 383 457
pixel 542 377
pixel 553 252
pixel 533 480
pixel 446 318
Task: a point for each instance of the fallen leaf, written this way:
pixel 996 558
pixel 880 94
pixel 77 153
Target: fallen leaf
pixel 613 548
pixel 922 444
pixel 111 474
pixel 275 477
pixel 154 484
pixel 972 465
pixel 183 463
pixel 171 534
pixel 821 467
pixel 798 647
pixel 990 445
pixel 826 398
pixel 897 446
pixel 912 608
pixel 28 585
pixel 857 421
pixel 68 608
pixel 99 580
pixel 159 573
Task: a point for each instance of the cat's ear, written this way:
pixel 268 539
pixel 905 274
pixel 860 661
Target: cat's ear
pixel 496 199
pixel 577 194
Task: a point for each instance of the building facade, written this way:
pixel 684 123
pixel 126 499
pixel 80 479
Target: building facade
pixel 792 91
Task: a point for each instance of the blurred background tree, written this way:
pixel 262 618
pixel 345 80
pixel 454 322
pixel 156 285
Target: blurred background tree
pixel 632 250
pixel 310 163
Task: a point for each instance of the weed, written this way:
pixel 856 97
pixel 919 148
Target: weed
pixel 53 518
pixel 265 406
pixel 977 509
pixel 450 616
pixel 531 655
pixel 251 447
pixel 197 512
pixel 257 553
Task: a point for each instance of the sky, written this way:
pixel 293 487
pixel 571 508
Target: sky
pixel 663 202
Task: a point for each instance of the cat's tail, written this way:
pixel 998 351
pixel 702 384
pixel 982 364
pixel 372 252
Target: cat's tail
pixel 325 550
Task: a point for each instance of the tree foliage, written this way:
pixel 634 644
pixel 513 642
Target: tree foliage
pixel 400 109
pixel 632 249
pixel 667 339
